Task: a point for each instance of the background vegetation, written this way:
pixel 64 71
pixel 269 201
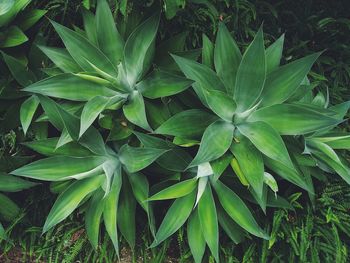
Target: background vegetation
pixel 314 232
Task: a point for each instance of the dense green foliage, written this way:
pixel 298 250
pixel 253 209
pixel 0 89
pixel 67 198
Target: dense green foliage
pixel 120 116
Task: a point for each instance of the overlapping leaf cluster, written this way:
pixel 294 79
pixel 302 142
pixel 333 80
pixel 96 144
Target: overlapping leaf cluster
pixel 137 126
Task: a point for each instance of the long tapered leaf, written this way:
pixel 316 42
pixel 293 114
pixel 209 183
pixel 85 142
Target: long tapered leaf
pixel 195 237
pixel 207 52
pixel 9 210
pixel 251 74
pixel 9 183
pixel 237 210
pixel 283 82
pixel 187 124
pixel 70 199
pixel 61 168
pixel 216 140
pixel 176 216
pixel 209 221
pixel 227 58
pixel 234 231
pixel 137 46
pixel 274 54
pixel 293 119
pixel 83 51
pixel 70 87
pixel 267 140
pixel 27 111
pixel 221 103
pixel 175 191
pixel 162 84
pixel 136 159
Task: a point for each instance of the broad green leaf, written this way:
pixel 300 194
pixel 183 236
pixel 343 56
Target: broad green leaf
pixel 109 40
pixel 162 84
pixel 187 124
pixel 59 168
pixel 70 199
pixel 267 141
pixel 9 183
pixel 227 58
pixel 14 36
pixel 135 110
pixel 336 140
pixel 7 11
pixel 93 217
pixel 204 77
pixel 30 18
pixel 207 52
pixel 288 174
pixel 136 159
pixel 19 71
pixel 89 22
pixel 92 110
pixel 176 216
pixel 110 212
pixel 221 103
pixel 237 210
pixel 126 210
pixel 70 87
pixel 250 162
pixel 83 51
pixel 27 111
pixel 274 54
pixel 175 191
pixel 195 237
pixel 234 232
pixel 216 140
pixel 251 74
pixel 137 46
pixel 9 210
pixel 61 58
pixel 219 165
pixel 293 119
pixel 283 82
pixel 209 221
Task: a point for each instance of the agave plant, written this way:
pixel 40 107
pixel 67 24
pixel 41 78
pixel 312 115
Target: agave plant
pixel 264 122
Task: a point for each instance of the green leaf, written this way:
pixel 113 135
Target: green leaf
pixel 137 46
pixel 70 199
pixel 135 110
pixel 267 140
pixel 274 55
pixel 83 51
pixel 175 191
pixel 109 40
pixel 250 162
pixel 162 84
pixel 61 58
pixel 93 217
pixel 9 210
pixel 204 77
pixel 251 74
pixel 207 52
pixel 283 82
pixel 19 71
pixel 61 168
pixel 70 87
pixel 30 18
pixel 293 119
pixel 237 210
pixel 221 103
pixel 89 22
pixel 27 111
pixel 227 58
pixel 126 220
pixel 9 183
pixel 110 212
pixel 92 110
pixel 209 222
pixel 235 233
pixel 216 140
pixel 176 216
pixel 336 141
pixel 195 237
pixel 2 233
pixel 136 159
pixel 13 37
pixel 187 124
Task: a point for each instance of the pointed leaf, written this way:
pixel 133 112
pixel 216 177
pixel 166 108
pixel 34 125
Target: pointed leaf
pixel 27 111
pixel 274 55
pixel 93 217
pixel 9 183
pixel 195 237
pixel 175 191
pixel 220 103
pixel 207 52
